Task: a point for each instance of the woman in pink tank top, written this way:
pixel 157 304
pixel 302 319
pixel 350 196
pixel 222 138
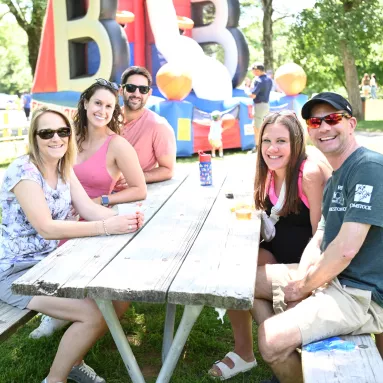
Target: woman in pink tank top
pixel 288 187
pixel 103 155
pixel 102 158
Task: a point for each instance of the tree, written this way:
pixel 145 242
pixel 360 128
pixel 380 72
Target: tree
pixel 332 39
pixel 267 40
pixel 15 73
pixel 29 15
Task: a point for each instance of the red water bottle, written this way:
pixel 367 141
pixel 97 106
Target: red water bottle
pixel 205 170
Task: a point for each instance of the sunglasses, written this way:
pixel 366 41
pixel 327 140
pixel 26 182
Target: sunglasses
pixel 47 134
pixel 281 113
pixel 331 119
pixel 103 82
pixel 131 88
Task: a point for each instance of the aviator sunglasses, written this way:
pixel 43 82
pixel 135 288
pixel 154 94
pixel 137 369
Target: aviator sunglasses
pixel 107 83
pixel 131 88
pixel 47 134
pixel 331 119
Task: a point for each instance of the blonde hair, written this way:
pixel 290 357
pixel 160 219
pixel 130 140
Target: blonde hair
pixel 66 162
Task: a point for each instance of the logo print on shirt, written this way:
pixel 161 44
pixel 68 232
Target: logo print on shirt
pixel 363 193
pixel 338 198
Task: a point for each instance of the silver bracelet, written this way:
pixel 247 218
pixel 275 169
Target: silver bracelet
pixel 104 224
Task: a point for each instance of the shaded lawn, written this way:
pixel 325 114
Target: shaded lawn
pixel 26 360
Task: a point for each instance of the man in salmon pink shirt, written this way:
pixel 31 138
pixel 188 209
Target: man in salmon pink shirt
pixel 150 134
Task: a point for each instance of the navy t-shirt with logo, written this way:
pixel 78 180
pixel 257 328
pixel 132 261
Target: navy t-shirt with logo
pixel 354 193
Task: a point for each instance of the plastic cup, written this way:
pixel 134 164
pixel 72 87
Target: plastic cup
pixel 243 214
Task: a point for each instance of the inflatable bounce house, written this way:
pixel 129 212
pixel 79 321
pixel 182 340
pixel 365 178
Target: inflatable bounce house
pixel 84 40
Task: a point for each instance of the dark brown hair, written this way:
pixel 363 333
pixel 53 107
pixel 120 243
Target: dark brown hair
pixel 297 156
pixel 80 120
pixel 136 70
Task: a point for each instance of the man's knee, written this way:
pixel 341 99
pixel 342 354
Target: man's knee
pixel 277 339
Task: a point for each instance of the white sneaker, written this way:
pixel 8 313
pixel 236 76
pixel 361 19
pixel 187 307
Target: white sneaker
pixel 47 327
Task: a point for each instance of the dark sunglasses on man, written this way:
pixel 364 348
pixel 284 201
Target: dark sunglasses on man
pixel 131 88
pixel 47 134
pixel 109 84
pixel 331 119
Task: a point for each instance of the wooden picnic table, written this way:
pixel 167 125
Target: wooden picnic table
pixel 192 251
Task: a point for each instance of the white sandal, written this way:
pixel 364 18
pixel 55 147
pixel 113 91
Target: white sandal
pixel 239 366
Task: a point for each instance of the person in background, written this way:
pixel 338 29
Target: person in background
pixel 150 134
pixel 365 85
pixel 260 94
pixel 374 87
pixel 215 134
pixel 102 158
pixel 288 188
pixel 31 228
pixel 26 99
pixel 337 288
pixel 270 75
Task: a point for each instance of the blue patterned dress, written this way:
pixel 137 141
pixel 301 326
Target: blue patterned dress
pixel 19 241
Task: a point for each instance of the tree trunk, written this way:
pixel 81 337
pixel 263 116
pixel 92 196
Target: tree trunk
pixel 34 36
pixel 352 80
pixel 268 34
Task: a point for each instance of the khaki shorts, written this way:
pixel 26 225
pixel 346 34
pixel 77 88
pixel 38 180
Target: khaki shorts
pixel 215 143
pixel 260 111
pixel 330 311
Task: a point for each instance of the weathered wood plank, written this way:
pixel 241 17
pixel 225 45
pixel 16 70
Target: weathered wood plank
pixel 11 318
pixel 144 270
pixel 363 365
pixel 220 269
pixel 67 271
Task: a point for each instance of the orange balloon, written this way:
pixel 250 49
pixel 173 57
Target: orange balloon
pixel 185 23
pixel 174 82
pixel 228 121
pixel 290 78
pixel 124 17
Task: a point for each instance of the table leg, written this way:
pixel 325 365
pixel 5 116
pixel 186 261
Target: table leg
pixel 107 309
pixel 168 329
pixel 189 317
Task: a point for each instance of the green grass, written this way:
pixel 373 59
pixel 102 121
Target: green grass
pixel 370 126
pixel 26 360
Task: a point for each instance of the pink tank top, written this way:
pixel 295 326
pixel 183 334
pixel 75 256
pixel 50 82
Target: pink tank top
pixel 93 175
pixel 273 197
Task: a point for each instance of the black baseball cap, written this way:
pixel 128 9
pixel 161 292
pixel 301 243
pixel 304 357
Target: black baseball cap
pixel 334 99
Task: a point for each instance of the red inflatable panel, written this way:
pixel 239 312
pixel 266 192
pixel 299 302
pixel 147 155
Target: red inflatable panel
pixel 45 75
pixel 231 138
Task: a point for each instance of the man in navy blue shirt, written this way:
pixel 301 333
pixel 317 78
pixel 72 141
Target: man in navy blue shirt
pixel 260 94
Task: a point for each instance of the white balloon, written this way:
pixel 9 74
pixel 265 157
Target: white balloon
pixel 184 52
pixel 211 79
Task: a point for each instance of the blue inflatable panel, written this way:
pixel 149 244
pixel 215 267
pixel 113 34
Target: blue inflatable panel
pixel 179 115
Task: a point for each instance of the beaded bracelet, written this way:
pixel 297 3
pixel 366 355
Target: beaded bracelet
pixel 104 224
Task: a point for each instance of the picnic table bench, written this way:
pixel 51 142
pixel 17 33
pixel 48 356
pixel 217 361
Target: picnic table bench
pixel 191 251
pixel 362 365
pixel 11 318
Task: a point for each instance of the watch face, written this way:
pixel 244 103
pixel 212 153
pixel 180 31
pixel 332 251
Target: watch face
pixel 105 200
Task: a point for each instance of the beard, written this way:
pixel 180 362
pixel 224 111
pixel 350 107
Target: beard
pixel 133 103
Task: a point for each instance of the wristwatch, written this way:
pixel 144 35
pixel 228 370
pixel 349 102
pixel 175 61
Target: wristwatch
pixel 104 200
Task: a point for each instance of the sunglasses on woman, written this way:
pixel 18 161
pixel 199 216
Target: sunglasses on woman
pixel 47 134
pixel 103 82
pixel 331 119
pixel 290 113
pixel 131 88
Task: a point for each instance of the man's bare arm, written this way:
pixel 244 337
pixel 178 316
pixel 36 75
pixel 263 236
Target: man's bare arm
pixel 332 262
pixel 163 172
